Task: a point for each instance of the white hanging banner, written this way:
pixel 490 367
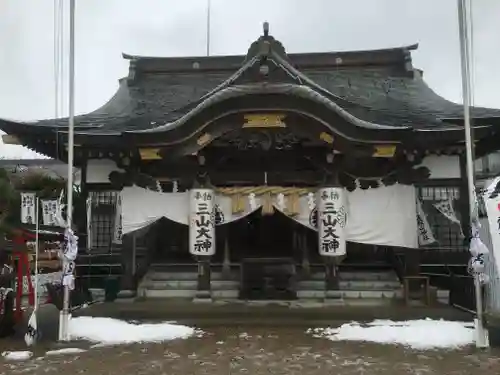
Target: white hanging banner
pixel 70 246
pixel 60 221
pixel 492 205
pixel 28 208
pixel 49 211
pixel 202 222
pixel 332 220
pixel 32 331
pixel 118 227
pixel 89 222
pixel 425 235
pixel 141 208
pixel 446 208
pixel 383 216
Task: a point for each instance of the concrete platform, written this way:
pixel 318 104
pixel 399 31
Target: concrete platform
pixel 264 312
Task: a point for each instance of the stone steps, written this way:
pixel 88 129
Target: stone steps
pixel 351 284
pixel 371 284
pixel 233 275
pixel 186 293
pixel 369 288
pixel 359 276
pixel 352 294
pixel 301 294
pixel 301 285
pixel 178 276
pixel 189 284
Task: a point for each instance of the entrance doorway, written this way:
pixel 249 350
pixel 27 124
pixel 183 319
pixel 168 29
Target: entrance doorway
pixel 265 236
pixel 264 247
pixel 167 242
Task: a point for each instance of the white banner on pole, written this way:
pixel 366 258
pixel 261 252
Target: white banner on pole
pixel 202 222
pixel 32 331
pixel 425 235
pixel 446 208
pixel 49 211
pixel 28 208
pixel 88 204
pixel 492 205
pixel 118 227
pixel 332 220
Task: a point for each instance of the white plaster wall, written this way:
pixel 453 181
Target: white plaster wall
pixel 488 164
pixel 494 161
pixel 442 167
pixel 98 170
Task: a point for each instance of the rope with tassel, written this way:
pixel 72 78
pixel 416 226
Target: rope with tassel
pixel 239 194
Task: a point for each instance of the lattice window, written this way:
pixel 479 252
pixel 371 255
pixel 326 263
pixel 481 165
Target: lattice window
pixel 103 217
pixel 446 232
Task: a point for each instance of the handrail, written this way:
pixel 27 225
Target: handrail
pixel 434 274
pixel 99 265
pixel 90 276
pixel 442 265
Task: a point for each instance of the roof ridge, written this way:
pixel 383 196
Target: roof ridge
pixel 410 47
pixel 381 57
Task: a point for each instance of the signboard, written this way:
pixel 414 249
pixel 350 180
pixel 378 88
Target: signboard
pixel 49 211
pixel 384 151
pixel 492 205
pixel 28 208
pixel 88 205
pixel 331 221
pixel 425 235
pixel 264 120
pixel 202 222
pixel 118 222
pixel 149 154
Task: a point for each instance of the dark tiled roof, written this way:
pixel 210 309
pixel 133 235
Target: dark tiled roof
pixel 396 95
pixel 384 94
pixel 114 113
pixel 374 86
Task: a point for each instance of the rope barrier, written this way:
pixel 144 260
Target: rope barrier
pixel 238 195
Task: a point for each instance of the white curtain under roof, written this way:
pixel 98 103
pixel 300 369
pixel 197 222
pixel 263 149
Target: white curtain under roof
pixel 381 216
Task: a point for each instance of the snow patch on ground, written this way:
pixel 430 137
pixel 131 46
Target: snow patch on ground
pixel 107 331
pixel 416 334
pixel 65 351
pixel 17 356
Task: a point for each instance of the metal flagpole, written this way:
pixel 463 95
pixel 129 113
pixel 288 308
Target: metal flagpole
pixel 37 249
pixel 481 334
pixel 64 316
pixel 208 26
pixel 32 330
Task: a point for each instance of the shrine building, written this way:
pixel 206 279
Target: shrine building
pixel 255 176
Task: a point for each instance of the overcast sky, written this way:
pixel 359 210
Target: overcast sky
pixel 106 28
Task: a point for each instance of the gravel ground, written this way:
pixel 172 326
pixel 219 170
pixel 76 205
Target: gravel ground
pixel 253 350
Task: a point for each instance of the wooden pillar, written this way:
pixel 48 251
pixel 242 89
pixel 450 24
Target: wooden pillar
pixel 203 290
pixel 84 194
pixel 226 263
pixel 304 250
pixel 332 281
pixel 128 281
pixel 412 269
pixel 412 259
pixel 134 253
